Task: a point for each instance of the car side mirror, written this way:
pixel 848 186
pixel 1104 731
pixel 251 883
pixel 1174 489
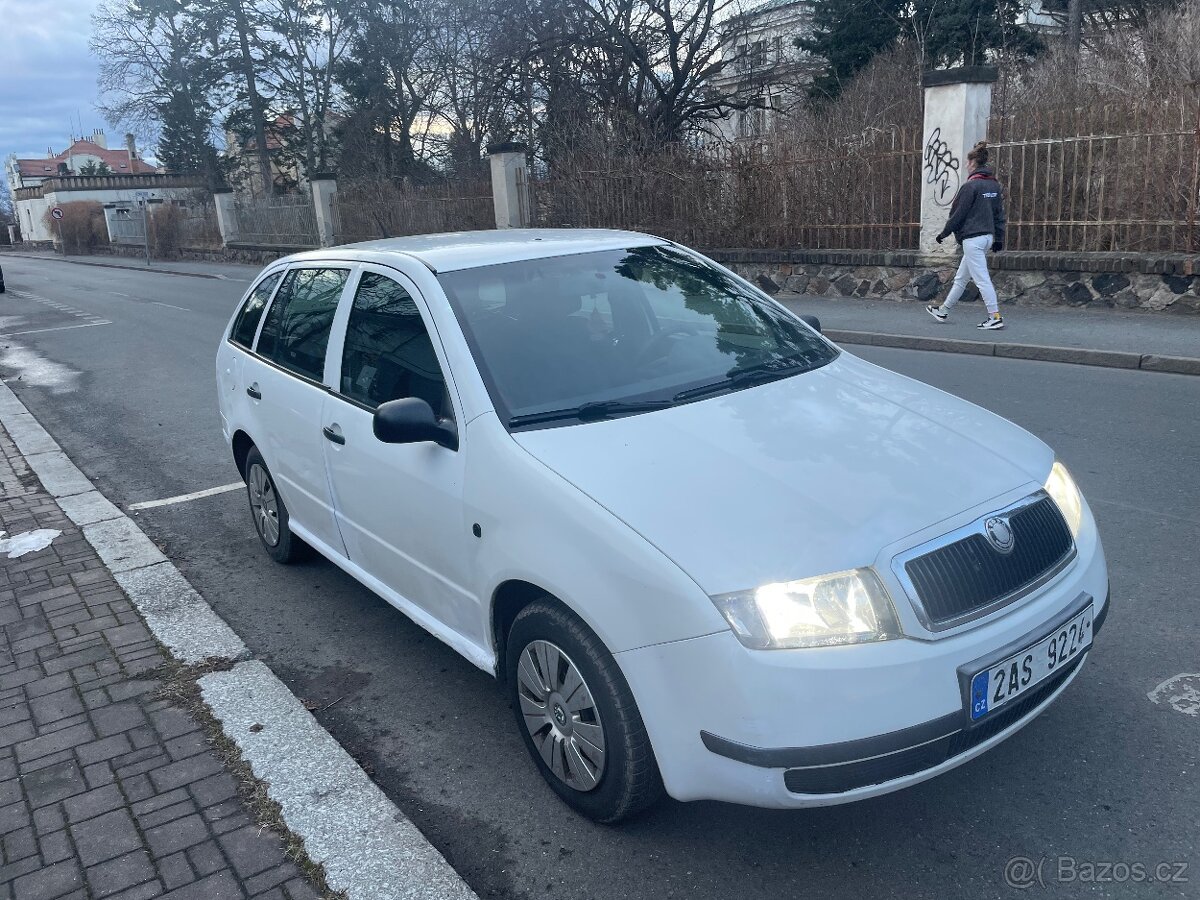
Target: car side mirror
pixel 813 322
pixel 410 420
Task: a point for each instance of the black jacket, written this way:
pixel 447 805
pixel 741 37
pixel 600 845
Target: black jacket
pixel 978 208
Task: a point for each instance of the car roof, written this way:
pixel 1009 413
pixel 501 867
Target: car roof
pixel 471 249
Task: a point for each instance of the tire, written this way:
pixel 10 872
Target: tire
pixel 270 514
pixel 596 710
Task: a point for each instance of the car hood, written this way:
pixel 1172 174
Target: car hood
pixel 812 474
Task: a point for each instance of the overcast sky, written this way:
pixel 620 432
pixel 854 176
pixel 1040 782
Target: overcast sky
pixel 47 76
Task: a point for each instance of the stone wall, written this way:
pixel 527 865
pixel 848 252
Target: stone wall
pixel 235 253
pixel 1125 281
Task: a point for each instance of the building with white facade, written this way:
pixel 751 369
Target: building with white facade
pixel 83 154
pixel 765 63
pixel 119 194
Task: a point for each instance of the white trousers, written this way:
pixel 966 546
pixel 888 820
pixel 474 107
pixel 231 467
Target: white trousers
pixel 974 268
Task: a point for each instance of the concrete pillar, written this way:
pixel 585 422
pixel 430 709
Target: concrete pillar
pixel 110 210
pixel 509 194
pixel 12 234
pixel 226 220
pixel 324 192
pixel 958 103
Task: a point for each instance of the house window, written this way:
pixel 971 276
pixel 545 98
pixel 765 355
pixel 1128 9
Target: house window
pixel 758 54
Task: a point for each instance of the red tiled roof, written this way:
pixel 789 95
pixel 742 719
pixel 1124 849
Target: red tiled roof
pixel 117 161
pixel 37 168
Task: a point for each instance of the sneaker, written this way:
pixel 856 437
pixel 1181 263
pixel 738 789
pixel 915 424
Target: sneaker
pixel 937 313
pixel 991 324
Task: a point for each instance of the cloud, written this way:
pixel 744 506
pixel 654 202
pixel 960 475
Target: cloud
pixel 49 75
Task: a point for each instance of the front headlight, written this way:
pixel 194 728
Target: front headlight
pixel 1061 486
pixel 849 607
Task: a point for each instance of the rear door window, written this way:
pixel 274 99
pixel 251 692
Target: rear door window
pixel 295 333
pixel 252 310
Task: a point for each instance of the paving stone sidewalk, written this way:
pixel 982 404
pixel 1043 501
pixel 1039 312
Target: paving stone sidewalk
pixel 106 790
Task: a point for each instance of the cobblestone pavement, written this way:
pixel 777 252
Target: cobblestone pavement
pixel 106 790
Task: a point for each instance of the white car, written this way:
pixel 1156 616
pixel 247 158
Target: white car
pixel 704 549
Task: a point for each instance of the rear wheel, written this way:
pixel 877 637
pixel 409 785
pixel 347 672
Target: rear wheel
pixel 577 715
pixel 270 513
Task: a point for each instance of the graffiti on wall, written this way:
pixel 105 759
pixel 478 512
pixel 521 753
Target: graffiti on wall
pixel 941 169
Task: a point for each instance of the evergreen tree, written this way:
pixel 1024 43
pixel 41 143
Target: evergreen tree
pixel 185 143
pixel 847 34
pixel 971 32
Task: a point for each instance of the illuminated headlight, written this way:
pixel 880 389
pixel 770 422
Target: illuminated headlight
pixel 1061 486
pixel 849 607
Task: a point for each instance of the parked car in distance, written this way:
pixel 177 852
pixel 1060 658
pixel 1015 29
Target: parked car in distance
pixel 705 550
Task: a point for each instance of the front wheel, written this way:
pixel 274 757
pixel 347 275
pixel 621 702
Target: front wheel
pixel 577 715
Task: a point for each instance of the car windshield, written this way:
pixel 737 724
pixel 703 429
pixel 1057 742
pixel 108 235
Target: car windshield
pixel 618 332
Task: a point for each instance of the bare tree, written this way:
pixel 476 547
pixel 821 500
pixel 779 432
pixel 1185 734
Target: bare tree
pixel 313 37
pixel 660 59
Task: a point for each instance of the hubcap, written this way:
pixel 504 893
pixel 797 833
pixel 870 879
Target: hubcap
pixel 264 505
pixel 560 715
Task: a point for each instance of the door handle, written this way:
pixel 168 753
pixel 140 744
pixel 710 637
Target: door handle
pixel 333 435
pixel 254 392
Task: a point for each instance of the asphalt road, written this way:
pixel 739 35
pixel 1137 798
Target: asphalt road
pixel 1105 776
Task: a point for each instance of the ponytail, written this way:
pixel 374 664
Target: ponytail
pixel 979 154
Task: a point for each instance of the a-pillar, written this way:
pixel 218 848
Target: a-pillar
pixel 324 195
pixel 510 195
pixel 958 103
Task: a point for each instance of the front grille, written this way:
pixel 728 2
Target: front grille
pixel 970 574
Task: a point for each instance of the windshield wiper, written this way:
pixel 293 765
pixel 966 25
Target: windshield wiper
pixel 590 412
pixel 750 375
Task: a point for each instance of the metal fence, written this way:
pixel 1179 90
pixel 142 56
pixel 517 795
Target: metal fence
pixel 364 211
pixel 860 192
pixel 1107 178
pixel 198 227
pixel 283 221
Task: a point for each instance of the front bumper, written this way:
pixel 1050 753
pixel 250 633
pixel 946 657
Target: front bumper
pixel 832 725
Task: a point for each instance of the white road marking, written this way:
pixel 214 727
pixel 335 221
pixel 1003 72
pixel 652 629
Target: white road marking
pixel 171 305
pixel 55 328
pixel 184 498
pixel 1180 692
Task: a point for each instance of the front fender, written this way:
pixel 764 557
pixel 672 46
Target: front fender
pixel 537 527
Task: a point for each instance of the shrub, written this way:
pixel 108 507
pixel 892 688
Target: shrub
pixel 165 230
pixel 81 229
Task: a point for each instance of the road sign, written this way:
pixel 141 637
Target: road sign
pixel 57 212
pixel 141 196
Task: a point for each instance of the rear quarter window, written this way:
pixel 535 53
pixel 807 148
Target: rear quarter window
pixel 248 318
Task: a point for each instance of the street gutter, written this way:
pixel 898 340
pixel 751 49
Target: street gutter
pixel 108 265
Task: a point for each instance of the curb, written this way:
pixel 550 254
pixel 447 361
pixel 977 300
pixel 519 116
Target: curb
pixel 369 849
pixel 1112 359
pixel 104 265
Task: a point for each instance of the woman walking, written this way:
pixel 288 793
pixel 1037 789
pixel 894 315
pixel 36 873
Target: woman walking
pixel 977 223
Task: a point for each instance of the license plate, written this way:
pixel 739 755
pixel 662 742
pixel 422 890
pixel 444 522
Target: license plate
pixel 1011 678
